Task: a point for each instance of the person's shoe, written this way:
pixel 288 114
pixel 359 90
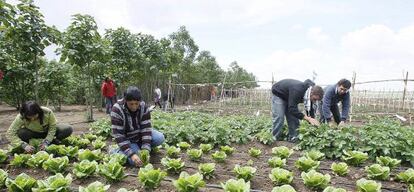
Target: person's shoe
pixel 293 139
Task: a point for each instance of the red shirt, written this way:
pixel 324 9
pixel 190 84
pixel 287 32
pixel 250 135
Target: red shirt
pixel 108 89
pixel 1 74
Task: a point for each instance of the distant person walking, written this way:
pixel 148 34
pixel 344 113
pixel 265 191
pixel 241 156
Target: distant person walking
pixel 109 92
pixel 157 97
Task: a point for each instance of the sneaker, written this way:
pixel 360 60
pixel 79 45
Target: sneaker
pixel 293 139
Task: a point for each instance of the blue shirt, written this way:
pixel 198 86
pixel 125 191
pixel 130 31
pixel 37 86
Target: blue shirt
pixel 331 98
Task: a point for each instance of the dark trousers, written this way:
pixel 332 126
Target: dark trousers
pixel 62 131
pixel 335 113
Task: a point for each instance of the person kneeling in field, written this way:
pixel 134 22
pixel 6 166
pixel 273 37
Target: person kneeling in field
pixel 131 127
pixel 35 122
pixel 333 95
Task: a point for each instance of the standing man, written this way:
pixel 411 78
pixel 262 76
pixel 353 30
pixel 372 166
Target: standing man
pixel 131 127
pixel 157 96
pixel 287 94
pixel 333 95
pixel 109 92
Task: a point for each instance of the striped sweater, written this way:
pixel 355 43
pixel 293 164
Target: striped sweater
pixel 130 127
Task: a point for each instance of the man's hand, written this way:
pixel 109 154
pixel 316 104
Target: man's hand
pixel 29 149
pixel 43 145
pixel 312 121
pixel 135 158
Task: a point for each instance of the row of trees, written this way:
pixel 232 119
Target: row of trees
pixel 86 57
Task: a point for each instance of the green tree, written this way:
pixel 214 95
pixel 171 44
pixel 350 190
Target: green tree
pixel 237 77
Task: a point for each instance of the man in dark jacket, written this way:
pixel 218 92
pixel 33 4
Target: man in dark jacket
pixel 333 95
pixel 287 94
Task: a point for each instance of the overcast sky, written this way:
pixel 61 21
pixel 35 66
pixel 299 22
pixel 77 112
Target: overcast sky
pixel 289 39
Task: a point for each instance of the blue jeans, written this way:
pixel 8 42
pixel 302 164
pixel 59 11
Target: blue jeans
pixel 279 111
pixel 109 102
pixel 157 139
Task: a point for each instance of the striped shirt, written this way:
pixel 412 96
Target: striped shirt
pixel 130 127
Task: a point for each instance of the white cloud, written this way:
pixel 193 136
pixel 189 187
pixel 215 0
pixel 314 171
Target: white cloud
pixel 316 35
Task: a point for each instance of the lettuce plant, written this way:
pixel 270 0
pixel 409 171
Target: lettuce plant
pixel 90 136
pixel 183 145
pixel 150 177
pixel 173 152
pixel 284 188
pixel 354 157
pixel 3 156
pixel 406 176
pixel 21 183
pixel 333 189
pixel 227 149
pixel 98 144
pixel 245 172
pixel 364 185
pixel 125 190
pixel 207 170
pixel 306 164
pixel 232 185
pixel 172 165
pixel 255 152
pixel 206 147
pixel 411 188
pixel 194 154
pixel 315 155
pixel 84 169
pixel 276 162
pixel 281 176
pixel 219 156
pixel 388 161
pixel 37 159
pixel 86 154
pixel 340 169
pixel 116 157
pixel 282 152
pixel 144 155
pixel 56 165
pixel 376 171
pixel 20 160
pixel 57 183
pixel 315 180
pixel 3 177
pixel 189 183
pixel 94 187
pixel 112 171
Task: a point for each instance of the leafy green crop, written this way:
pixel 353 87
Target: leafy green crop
pixel 406 176
pixel 315 180
pixel 183 145
pixel 276 162
pixel 3 156
pixel 3 177
pixel 57 183
pixel 172 165
pixel 37 159
pixel 22 183
pixel 236 186
pixel 254 152
pixel 376 171
pixel 364 185
pixel 98 144
pixel 333 189
pixel 340 169
pixel 101 127
pixel 306 164
pixel 86 154
pixel 354 157
pixel 94 187
pixel 144 155
pixel 265 137
pixel 116 157
pixel 84 169
pixel 245 172
pixel 227 149
pixel 56 165
pixel 112 171
pixel 194 154
pixel 315 155
pixel 150 177
pixel 219 156
pixel 20 160
pixel 189 183
pixel 284 188
pixel 281 176
pixel 207 170
pixel 206 147
pixel 282 152
pixel 173 152
pixel 388 161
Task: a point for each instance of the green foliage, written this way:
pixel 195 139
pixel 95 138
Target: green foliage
pixel 245 172
pixel 227 149
pixel 61 150
pixel 101 127
pixel 150 177
pixel 206 147
pixel 219 156
pixel 183 145
pixel 116 157
pixel 355 157
pixel 406 176
pixel 125 190
pixel 94 187
pixel 376 171
pixel 254 152
pixel 84 169
pixel 20 160
pixel 172 165
pixel 56 165
pixel 173 151
pixel 21 183
pixel 282 152
pixel 364 185
pixel 112 171
pixel 207 169
pixel 3 176
pixel 340 169
pixel 98 144
pixel 281 176
pixel 315 155
pixel 276 162
pixel 333 189
pixel 57 183
pixel 86 154
pixel 265 137
pixel 3 156
pixel 37 159
pixel 90 136
pixel 284 188
pixel 144 155
pixel 194 154
pixel 189 183
pixel 236 186
pixel 315 180
pixel 388 161
pixel 306 164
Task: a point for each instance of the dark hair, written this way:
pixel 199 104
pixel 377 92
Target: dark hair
pixel 344 82
pixel 133 93
pixel 31 108
pixel 106 79
pixel 317 90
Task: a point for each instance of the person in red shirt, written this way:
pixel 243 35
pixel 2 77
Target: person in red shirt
pixel 1 74
pixel 109 92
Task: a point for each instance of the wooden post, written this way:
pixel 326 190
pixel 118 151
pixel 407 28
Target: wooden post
pixel 353 88
pixel 405 90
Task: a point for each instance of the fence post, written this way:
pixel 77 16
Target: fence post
pixel 353 88
pixel 405 90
